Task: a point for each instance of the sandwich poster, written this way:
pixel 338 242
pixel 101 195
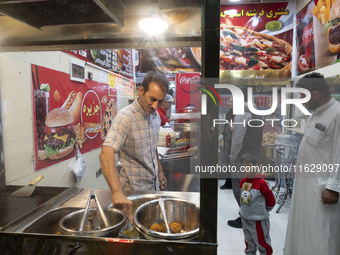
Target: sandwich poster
pixel 256 40
pixel 326 29
pixel 68 114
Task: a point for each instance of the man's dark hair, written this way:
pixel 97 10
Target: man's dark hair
pixel 157 78
pixel 314 82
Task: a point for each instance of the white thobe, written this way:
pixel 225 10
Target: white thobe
pixel 314 227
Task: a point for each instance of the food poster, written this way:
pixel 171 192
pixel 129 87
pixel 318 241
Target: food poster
pixel 68 112
pixel 305 40
pixel 256 40
pixel 188 93
pixel 170 60
pixel 326 28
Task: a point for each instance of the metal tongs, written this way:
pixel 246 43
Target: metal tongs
pixel 161 205
pixel 102 215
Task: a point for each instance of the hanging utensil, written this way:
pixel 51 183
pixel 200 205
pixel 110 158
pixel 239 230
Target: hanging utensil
pixel 161 205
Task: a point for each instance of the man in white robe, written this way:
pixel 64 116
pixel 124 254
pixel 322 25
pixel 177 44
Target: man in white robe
pixel 314 219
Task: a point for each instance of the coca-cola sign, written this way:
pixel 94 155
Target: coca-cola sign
pixel 187 90
pixel 188 82
pixel 184 80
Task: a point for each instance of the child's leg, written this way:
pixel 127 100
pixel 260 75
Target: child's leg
pixel 247 227
pixel 262 238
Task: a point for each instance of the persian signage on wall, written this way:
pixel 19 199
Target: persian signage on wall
pixel 67 113
pixel 256 40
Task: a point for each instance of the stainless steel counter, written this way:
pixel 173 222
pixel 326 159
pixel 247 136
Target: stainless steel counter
pixel 24 236
pixel 13 208
pixel 44 219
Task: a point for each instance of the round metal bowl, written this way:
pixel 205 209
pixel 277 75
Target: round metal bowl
pixel 176 210
pixel 93 226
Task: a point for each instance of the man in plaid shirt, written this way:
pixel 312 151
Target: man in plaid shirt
pixel 134 135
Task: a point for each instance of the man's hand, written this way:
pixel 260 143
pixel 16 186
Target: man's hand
pixel 120 202
pixel 329 197
pixel 108 165
pixel 163 183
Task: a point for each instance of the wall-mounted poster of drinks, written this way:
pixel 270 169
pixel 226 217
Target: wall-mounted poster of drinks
pixel 256 40
pixel 305 40
pixel 68 113
pixel 326 26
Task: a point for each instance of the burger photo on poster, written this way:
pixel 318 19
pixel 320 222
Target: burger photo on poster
pixel 332 28
pixel 60 137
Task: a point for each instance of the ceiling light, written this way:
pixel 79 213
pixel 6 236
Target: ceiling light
pixel 234 0
pixel 153 26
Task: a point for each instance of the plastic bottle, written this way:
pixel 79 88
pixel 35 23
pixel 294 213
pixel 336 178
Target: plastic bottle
pixel 167 140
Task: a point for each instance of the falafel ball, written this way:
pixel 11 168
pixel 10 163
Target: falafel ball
pixel 175 227
pixel 156 227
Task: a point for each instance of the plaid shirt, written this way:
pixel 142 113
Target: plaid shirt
pixel 134 135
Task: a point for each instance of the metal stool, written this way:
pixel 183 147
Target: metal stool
pixel 284 173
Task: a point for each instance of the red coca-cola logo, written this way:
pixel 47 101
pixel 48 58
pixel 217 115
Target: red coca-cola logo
pixel 189 80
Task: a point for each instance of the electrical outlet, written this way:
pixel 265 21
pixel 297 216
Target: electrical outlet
pixel 98 172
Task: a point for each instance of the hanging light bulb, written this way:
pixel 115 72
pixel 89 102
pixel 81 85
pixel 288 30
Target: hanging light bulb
pixel 153 25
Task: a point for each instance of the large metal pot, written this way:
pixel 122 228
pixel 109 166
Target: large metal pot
pixel 93 225
pixel 176 210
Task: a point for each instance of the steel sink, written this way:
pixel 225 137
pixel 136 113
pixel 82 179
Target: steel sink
pixel 49 223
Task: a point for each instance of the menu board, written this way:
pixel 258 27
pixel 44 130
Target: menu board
pixel 305 40
pixel 118 60
pixel 122 62
pixel 67 113
pixel 256 40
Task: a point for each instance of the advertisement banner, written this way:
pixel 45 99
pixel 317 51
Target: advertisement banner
pixel 187 92
pixel 256 40
pixel 305 40
pixel 68 112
